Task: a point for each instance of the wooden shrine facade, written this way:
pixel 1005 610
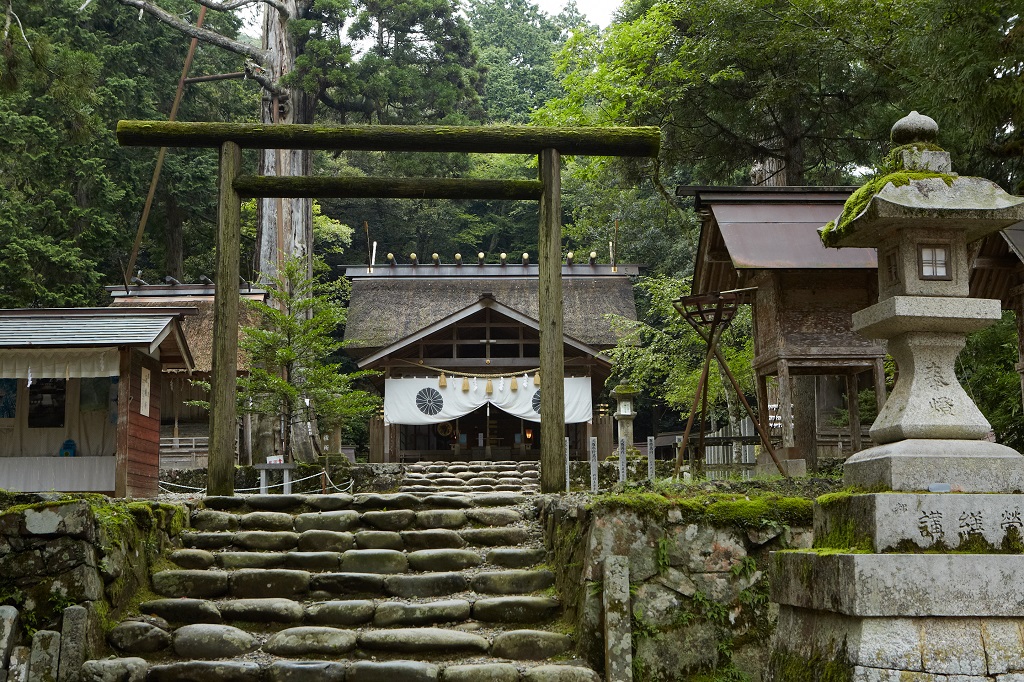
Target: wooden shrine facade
pixel 474 323
pixel 803 296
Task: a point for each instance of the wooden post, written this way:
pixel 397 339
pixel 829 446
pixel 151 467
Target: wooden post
pixel 786 404
pixel 879 375
pixel 552 360
pixel 853 407
pixel 124 396
pixel 805 419
pixel 225 327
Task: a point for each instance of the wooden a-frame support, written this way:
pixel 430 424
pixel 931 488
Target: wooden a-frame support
pixel 549 144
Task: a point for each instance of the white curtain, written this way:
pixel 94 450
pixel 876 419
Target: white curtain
pixel 422 401
pixel 63 363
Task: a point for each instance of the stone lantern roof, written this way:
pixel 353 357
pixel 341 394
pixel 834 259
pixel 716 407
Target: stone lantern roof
pixel 921 191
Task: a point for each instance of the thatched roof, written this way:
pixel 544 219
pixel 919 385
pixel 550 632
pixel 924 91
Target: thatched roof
pixel 198 327
pixel 385 308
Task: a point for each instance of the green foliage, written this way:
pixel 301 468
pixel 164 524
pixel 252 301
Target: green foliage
pixel 868 410
pixel 290 354
pixel 70 197
pixel 731 83
pixel 662 355
pixel 986 369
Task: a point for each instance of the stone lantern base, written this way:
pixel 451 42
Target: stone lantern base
pixel 887 607
pixel 967 466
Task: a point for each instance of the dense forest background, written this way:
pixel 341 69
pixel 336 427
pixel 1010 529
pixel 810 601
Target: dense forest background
pixel 806 89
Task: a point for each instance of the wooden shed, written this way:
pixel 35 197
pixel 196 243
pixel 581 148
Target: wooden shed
pixel 766 238
pixel 185 428
pixel 477 325
pixel 80 397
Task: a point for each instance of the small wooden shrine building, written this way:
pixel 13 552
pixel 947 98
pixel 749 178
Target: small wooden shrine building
pixel 185 428
pixel 476 326
pixel 803 296
pixel 998 272
pixel 80 397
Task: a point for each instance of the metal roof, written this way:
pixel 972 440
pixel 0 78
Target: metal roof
pixel 767 228
pixel 97 328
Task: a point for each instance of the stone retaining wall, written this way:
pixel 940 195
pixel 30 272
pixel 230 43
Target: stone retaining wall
pixel 83 555
pixel 698 586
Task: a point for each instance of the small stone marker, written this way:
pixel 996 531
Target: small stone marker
pixel 650 458
pixel 622 460
pixel 618 630
pixel 74 633
pixel 593 464
pixel 8 633
pixel 18 665
pixel 42 662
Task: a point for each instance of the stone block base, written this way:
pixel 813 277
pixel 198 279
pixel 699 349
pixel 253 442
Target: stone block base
pixel 892 585
pixel 792 467
pixel 907 522
pixel 896 649
pixel 968 466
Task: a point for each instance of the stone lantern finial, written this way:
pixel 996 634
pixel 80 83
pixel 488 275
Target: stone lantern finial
pixel 914 127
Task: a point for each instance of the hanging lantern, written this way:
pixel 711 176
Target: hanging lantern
pixel 465 384
pixel 536 379
pixel 489 388
pixel 442 382
pixel 514 385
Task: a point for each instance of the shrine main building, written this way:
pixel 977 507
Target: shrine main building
pixel 457 346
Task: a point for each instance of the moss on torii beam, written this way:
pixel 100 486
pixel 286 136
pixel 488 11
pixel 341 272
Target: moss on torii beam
pixel 471 139
pixel 249 186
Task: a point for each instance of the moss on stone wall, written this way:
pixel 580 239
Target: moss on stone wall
pixel 721 510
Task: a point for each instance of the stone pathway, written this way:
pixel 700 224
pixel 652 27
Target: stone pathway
pixel 443 580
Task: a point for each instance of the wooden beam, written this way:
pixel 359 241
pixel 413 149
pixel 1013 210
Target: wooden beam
pixel 549 305
pixel 225 327
pixel 386 188
pixel 1004 263
pixel 393 138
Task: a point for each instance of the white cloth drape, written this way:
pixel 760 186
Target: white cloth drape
pixel 422 401
pixel 63 363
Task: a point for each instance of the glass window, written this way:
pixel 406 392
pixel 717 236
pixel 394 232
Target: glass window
pixel 46 403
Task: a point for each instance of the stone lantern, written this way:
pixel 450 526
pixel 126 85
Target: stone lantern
pixel 625 412
pixel 929 431
pixel 907 579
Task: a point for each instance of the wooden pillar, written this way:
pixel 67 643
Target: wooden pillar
pixel 762 402
pixel 552 360
pixel 853 407
pixel 225 328
pixel 805 419
pixel 785 404
pixel 879 376
pixel 124 395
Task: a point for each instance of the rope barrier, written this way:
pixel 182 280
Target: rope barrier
pixel 347 489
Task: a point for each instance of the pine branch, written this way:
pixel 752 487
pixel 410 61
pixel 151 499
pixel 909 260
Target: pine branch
pixel 207 36
pixel 236 4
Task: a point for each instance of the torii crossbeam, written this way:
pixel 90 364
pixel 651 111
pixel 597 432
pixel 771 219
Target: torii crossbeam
pixel 549 144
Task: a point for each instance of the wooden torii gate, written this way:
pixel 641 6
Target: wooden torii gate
pixel 548 143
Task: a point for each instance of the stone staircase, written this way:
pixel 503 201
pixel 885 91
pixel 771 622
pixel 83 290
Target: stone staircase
pixel 443 580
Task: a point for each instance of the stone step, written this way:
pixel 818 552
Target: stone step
pixel 216 641
pixel 334 671
pixel 343 613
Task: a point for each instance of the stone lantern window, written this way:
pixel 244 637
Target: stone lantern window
pixel 892 266
pixel 933 261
